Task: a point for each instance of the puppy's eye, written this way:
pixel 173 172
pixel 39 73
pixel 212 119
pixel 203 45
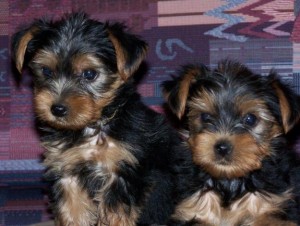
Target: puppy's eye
pixel 205 117
pixel 47 72
pixel 250 120
pixel 89 74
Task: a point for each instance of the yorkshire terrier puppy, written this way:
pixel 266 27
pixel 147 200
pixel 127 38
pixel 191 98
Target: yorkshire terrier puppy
pixel 113 160
pixel 237 123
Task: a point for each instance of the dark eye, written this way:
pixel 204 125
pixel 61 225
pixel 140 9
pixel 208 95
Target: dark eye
pixel 250 120
pixel 89 75
pixel 205 117
pixel 47 72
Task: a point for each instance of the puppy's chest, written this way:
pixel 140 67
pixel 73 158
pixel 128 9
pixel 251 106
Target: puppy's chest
pixel 93 162
pixel 206 206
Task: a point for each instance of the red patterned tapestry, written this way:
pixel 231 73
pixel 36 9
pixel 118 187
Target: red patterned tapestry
pixel 263 34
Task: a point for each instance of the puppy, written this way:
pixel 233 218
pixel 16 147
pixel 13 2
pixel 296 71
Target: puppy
pixel 113 160
pixel 237 123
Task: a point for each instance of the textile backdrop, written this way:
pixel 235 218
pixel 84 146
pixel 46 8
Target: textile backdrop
pixel 263 34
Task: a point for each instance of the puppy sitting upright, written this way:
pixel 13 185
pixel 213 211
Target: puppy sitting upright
pixel 237 123
pixel 113 160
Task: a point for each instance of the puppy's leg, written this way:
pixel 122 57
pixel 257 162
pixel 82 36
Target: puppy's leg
pixel 114 212
pixel 117 217
pixel 73 205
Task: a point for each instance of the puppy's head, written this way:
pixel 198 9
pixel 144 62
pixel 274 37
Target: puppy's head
pixel 234 116
pixel 78 64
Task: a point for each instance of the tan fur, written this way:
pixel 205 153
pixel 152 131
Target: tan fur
pixel 107 97
pixel 184 87
pixel 86 61
pixel 76 209
pixel 43 100
pixel 121 57
pixel 270 220
pixel 259 108
pixel 285 109
pixel 81 110
pixel 105 152
pixel 102 150
pixel 248 149
pixel 205 207
pixel 246 154
pixel 124 71
pixel 204 103
pixel 45 58
pixel 21 49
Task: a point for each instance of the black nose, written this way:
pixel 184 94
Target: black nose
pixel 59 110
pixel 223 148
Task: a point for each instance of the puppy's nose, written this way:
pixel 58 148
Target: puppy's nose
pixel 59 110
pixel 223 148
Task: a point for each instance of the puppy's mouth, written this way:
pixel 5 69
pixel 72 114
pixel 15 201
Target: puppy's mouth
pixel 66 124
pixel 74 112
pixel 223 162
pixel 66 121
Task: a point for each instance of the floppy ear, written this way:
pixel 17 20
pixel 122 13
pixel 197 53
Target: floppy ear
pixel 289 104
pixel 177 90
pixel 20 42
pixel 130 49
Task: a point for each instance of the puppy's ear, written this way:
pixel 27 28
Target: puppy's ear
pixel 177 90
pixel 130 49
pixel 289 103
pixel 20 42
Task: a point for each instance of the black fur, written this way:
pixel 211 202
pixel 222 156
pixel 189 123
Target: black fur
pixel 153 184
pixel 164 162
pixel 280 171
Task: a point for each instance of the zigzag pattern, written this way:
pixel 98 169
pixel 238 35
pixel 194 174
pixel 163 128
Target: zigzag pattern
pixel 265 13
pixel 232 20
pixel 274 31
pixel 277 12
pixel 262 18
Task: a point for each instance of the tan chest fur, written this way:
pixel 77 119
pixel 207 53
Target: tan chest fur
pixel 77 207
pixel 206 208
pixel 98 149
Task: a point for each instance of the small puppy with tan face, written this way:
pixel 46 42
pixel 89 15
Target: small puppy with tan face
pixel 113 161
pixel 237 123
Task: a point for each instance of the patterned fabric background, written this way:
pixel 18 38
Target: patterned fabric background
pixel 263 34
